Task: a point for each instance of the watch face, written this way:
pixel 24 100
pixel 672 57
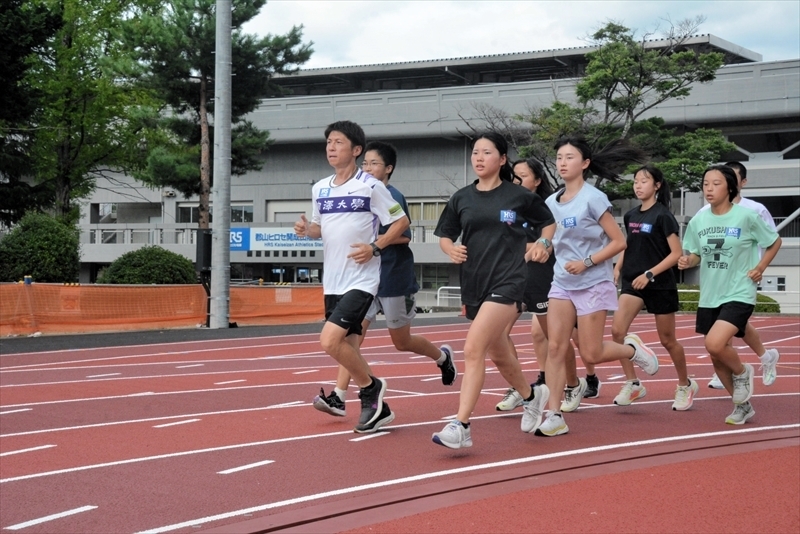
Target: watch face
pixel 588 262
pixel 649 275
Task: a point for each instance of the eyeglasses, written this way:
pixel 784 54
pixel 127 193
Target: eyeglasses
pixel 365 164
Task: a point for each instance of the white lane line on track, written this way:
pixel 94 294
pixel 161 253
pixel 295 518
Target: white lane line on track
pixel 416 393
pixel 615 377
pixel 39 448
pixel 284 405
pixel 230 382
pixel 44 519
pixel 449 472
pixel 188 366
pixel 417 357
pixel 370 436
pixel 16 411
pixel 177 423
pixel 244 467
pixel 430 379
pixel 306 372
pixel 104 375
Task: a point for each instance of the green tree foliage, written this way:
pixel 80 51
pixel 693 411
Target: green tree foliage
pixel 149 265
pixel 175 42
pixel 43 247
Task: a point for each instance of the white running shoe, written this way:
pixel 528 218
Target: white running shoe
pixel 573 396
pixel 743 385
pixel 629 393
pixel 553 425
pixel 769 362
pixel 532 410
pixel 741 413
pixel 684 396
pixel 511 400
pixel 715 382
pixel 453 436
pixel 643 356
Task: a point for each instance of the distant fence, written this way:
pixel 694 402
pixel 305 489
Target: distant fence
pixel 61 309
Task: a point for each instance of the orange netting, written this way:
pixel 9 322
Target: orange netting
pixel 58 309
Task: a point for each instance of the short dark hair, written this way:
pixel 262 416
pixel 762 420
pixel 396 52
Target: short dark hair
pixel 738 166
pixel 353 132
pixel 730 179
pixel 387 152
pixel 545 188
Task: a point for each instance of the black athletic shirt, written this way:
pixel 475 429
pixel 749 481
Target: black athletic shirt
pixel 647 244
pixel 491 226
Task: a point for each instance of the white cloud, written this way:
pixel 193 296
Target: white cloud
pixel 349 32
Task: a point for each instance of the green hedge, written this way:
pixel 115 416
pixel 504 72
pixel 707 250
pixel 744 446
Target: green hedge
pixel 688 301
pixel 41 246
pixel 149 265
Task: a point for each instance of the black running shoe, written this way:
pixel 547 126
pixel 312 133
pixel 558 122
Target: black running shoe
pixel 448 368
pixel 592 387
pixel 539 380
pixel 371 401
pixel 386 417
pixel 331 404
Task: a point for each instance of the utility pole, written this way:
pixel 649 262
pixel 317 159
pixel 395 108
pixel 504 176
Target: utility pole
pixel 221 192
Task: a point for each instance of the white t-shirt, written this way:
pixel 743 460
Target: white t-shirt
pixel 347 214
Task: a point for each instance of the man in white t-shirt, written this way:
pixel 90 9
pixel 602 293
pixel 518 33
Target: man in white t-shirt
pixel 348 208
pixel 769 357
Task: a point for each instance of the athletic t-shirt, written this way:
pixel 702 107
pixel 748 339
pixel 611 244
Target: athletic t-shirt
pixel 491 226
pixel 351 213
pixel 647 244
pixel 397 261
pixel 578 235
pixel 728 248
pixel 758 207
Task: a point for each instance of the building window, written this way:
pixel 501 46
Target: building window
pixel 426 210
pixel 190 213
pixel 432 276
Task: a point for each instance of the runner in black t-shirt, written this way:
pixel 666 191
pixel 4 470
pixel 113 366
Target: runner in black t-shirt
pixel 646 271
pixel 489 217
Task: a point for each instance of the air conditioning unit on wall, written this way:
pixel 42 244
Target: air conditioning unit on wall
pixel 168 193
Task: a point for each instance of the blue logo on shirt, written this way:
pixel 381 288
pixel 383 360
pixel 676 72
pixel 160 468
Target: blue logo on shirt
pixel 569 222
pixel 646 228
pixel 508 216
pixel 325 192
pixel 733 232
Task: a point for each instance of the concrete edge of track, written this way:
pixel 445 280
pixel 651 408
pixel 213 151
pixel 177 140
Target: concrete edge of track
pixel 381 506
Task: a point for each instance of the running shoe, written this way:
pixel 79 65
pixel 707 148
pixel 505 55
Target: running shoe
pixel 371 402
pixel 532 410
pixel 743 385
pixel 643 356
pixel 573 396
pixel 592 387
pixel 631 391
pixel 511 400
pixel 453 436
pixel 539 379
pixel 553 425
pixel 715 382
pixel 769 363
pixel 448 367
pixel 684 396
pixel 331 404
pixel 386 417
pixel 741 413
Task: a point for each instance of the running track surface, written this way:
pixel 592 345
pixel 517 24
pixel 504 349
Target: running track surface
pixel 219 435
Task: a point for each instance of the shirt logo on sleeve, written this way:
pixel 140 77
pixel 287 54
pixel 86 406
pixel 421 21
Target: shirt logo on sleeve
pixel 733 232
pixel 508 216
pixel 325 192
pixel 394 210
pixel 569 222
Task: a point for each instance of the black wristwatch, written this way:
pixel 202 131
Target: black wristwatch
pixel 649 274
pixel 587 261
pixel 376 250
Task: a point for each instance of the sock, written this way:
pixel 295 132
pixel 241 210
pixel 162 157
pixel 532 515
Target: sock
pixel 541 374
pixel 441 359
pixel 372 383
pixel 341 393
pixel 636 382
pixel 590 376
pixel 465 425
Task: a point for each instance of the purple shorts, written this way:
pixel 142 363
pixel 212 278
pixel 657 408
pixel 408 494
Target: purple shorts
pixel 601 297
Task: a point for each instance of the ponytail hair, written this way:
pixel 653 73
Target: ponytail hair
pixel 500 143
pixel 662 193
pixel 545 188
pixel 607 163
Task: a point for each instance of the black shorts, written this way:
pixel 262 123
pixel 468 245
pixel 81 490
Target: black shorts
pixel 348 310
pixel 657 301
pixel 736 313
pixel 472 311
pixel 537 286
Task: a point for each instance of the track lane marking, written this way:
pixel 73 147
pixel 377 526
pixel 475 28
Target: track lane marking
pixel 31 449
pixel 370 436
pixel 188 366
pixel 104 375
pixel 244 467
pixel 175 423
pixel 16 411
pixel 230 382
pixel 52 517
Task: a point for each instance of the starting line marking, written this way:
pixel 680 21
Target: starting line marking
pixel 177 423
pixel 243 467
pixel 370 436
pixel 9 453
pixel 50 517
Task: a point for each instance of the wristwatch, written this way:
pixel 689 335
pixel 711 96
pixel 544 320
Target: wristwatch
pixel 376 250
pixel 649 274
pixel 546 242
pixel 587 261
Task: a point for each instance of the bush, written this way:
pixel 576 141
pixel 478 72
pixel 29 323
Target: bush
pixel 688 300
pixel 149 265
pixel 43 247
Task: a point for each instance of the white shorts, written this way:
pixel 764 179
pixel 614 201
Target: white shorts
pixel 399 311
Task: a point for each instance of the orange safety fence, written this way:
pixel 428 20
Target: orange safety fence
pixel 60 309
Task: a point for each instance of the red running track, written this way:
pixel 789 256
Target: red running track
pixel 220 435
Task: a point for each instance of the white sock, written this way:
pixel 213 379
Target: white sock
pixel 442 359
pixel 341 393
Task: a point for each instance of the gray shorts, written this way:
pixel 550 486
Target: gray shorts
pixel 399 311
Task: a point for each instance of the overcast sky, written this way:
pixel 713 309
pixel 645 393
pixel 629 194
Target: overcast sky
pixel 347 32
